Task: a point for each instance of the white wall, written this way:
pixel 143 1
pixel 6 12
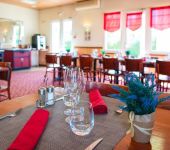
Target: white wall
pixel 93 17
pixel 29 17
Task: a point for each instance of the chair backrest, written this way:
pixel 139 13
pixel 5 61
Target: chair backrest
pixel 86 61
pixel 5 75
pixel 51 58
pixel 110 63
pixel 163 67
pixel 134 65
pixel 104 89
pixel 65 60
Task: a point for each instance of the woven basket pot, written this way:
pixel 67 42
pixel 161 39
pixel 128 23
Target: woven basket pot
pixel 140 123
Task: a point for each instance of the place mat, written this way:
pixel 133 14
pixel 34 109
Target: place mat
pixel 58 136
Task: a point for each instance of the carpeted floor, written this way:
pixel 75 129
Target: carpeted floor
pixel 28 81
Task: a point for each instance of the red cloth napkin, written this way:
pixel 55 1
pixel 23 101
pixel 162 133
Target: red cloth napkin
pixel 98 104
pixel 31 132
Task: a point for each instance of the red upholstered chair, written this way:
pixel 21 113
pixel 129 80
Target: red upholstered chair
pixel 5 78
pixel 111 69
pixel 162 75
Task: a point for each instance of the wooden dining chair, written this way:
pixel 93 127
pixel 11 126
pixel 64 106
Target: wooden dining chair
pixel 162 75
pixel 86 64
pixel 134 66
pixel 5 79
pixel 104 89
pixel 111 69
pixel 51 64
pixel 65 61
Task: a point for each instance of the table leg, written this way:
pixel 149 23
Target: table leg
pixel 94 69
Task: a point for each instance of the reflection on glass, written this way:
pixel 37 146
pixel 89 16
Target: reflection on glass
pixel 11 33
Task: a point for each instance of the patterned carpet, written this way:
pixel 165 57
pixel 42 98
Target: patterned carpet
pixel 27 82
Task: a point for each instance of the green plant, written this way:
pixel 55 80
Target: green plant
pixel 141 98
pixel 103 52
pixel 127 52
pixel 68 46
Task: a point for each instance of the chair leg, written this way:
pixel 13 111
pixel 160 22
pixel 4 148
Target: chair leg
pixel 45 76
pixel 9 94
pixel 111 80
pixel 103 78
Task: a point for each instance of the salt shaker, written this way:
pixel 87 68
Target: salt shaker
pixel 42 97
pixel 50 95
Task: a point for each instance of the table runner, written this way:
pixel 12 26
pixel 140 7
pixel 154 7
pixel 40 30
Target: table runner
pixel 58 136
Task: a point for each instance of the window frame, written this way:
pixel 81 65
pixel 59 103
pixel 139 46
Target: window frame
pixel 61 40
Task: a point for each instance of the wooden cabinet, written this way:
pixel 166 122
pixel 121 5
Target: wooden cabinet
pixel 20 59
pixel 42 54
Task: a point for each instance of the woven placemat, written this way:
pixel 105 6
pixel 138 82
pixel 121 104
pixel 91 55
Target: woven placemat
pixel 58 136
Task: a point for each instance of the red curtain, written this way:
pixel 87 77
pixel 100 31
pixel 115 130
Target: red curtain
pixel 112 21
pixel 134 20
pixel 160 18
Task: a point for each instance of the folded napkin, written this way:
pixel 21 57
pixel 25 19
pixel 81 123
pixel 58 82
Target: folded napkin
pixel 31 132
pixel 98 104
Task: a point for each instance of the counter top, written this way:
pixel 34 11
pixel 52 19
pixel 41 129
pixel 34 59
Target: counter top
pixel 16 49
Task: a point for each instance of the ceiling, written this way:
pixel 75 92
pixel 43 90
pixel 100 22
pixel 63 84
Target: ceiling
pixel 40 4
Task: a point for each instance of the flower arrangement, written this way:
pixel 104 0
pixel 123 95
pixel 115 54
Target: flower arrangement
pixel 141 98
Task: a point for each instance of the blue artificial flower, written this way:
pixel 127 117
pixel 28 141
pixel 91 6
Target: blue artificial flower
pixel 141 98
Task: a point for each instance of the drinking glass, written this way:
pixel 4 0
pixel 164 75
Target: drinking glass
pixel 82 118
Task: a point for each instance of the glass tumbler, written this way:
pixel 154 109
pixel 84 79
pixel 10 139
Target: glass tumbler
pixel 82 118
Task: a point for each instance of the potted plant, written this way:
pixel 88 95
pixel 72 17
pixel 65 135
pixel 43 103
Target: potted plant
pixel 141 101
pixel 68 46
pixel 103 52
pixel 127 52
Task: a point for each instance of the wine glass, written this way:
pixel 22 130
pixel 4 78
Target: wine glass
pixel 82 118
pixel 71 84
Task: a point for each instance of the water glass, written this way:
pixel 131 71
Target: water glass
pixel 82 118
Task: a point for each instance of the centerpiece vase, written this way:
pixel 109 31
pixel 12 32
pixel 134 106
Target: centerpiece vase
pixel 141 127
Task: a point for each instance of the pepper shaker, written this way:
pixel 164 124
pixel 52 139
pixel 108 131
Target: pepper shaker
pixel 42 97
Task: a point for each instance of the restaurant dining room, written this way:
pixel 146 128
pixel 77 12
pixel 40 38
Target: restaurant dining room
pixel 84 75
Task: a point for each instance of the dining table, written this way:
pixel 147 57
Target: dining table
pixel 97 60
pixel 112 127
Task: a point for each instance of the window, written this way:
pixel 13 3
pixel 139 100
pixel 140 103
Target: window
pixel 134 33
pixel 160 29
pixel 67 34
pixel 112 31
pixel 61 35
pixel 56 36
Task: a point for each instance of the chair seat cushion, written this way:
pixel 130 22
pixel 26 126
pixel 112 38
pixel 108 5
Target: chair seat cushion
pixel 53 65
pixel 164 78
pixel 3 88
pixel 112 72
